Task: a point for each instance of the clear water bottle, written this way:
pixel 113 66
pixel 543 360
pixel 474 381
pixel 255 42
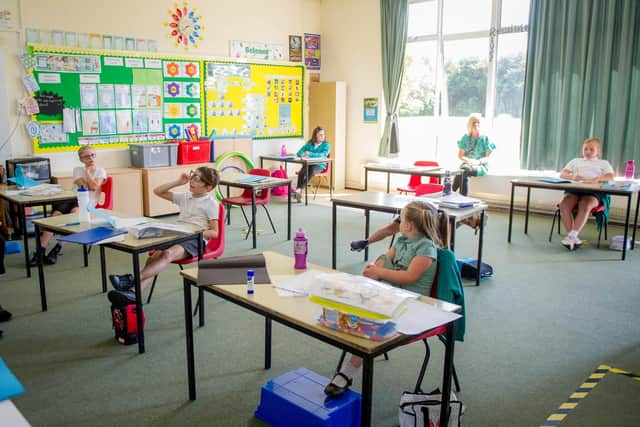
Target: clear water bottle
pixel 630 170
pixel 283 151
pixel 300 250
pixel 447 183
pixel 83 204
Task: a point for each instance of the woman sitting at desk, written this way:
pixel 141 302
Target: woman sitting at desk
pixel 317 147
pixel 589 169
pixel 474 151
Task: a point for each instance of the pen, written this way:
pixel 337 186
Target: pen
pixel 69 224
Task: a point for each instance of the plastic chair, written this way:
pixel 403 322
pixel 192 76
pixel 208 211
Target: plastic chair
pixel 262 199
pixel 107 199
pixel 214 249
pixel 440 332
pixel 598 209
pixel 416 180
pixel 423 189
pixel 325 175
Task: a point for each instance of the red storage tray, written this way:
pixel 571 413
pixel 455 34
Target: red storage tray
pixel 194 152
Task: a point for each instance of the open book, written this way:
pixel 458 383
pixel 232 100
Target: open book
pixel 156 229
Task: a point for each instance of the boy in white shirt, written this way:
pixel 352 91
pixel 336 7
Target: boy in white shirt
pixel 589 170
pixel 197 207
pixel 91 177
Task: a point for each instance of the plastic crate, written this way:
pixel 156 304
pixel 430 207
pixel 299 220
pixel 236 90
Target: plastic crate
pixel 153 155
pixel 37 168
pixel 297 399
pixel 194 151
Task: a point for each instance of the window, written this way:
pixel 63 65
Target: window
pixel 463 57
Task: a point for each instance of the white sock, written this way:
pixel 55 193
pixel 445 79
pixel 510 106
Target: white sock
pixel 574 234
pixel 348 370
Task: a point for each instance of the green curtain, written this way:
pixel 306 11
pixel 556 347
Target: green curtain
pixel 582 80
pixel 394 23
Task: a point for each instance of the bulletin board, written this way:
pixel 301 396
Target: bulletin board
pixel 115 98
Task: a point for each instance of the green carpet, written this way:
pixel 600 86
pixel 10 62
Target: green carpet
pixel 535 332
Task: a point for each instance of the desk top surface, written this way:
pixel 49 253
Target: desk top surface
pixel 387 202
pixel 296 159
pixel 298 310
pixel 62 225
pixel 410 169
pixel 537 182
pixel 13 194
pixel 235 179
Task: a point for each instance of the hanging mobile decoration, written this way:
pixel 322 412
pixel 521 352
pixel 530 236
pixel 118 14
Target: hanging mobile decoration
pixel 184 26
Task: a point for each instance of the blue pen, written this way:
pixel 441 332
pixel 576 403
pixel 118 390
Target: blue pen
pixel 69 224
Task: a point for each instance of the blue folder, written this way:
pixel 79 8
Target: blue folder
pixel 89 237
pixel 253 178
pixel 9 384
pixel 556 180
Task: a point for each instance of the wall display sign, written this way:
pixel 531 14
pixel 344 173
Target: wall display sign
pixel 312 51
pixel 262 100
pixel 371 110
pixel 295 48
pixel 114 98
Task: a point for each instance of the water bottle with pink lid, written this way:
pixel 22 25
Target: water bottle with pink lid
pixel 283 151
pixel 300 250
pixel 630 170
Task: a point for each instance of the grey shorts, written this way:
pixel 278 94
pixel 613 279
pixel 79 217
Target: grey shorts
pixel 191 247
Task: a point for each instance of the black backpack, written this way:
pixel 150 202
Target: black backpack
pixel 469 268
pixel 125 323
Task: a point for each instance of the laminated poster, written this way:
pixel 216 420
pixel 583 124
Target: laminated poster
pixel 107 122
pixel 88 96
pixel 90 123
pixel 140 121
pixel 155 120
pixel 106 97
pixel 123 96
pixel 312 51
pixel 52 133
pixel 123 121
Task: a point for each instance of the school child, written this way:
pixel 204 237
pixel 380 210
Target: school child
pixel 410 263
pixel 315 147
pixel 91 177
pixel 589 169
pixel 197 207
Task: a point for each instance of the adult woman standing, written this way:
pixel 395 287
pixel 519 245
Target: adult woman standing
pixel 474 150
pixel 316 147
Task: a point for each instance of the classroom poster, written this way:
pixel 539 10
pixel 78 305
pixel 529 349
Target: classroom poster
pixel 371 110
pixel 295 48
pixel 312 51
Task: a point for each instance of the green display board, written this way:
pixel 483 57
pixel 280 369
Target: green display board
pixel 112 99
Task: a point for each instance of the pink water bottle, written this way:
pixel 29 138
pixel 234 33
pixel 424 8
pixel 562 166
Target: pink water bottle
pixel 630 171
pixel 283 151
pixel 300 250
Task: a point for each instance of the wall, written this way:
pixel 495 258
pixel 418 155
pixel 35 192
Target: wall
pixel 251 20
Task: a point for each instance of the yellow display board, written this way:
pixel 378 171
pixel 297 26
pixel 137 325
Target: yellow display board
pixel 262 100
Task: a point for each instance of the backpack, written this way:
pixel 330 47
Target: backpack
pixel 282 190
pixel 469 267
pixel 125 323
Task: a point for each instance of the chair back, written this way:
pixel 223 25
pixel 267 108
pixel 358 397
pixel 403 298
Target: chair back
pixel 423 189
pixel 432 179
pixel 264 195
pixel 214 247
pixel 328 169
pixel 107 199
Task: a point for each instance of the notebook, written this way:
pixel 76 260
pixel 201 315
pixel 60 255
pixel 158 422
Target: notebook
pixel 556 180
pixel 94 235
pixel 253 178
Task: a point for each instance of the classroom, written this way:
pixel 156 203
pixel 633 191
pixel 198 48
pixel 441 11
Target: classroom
pixel 550 337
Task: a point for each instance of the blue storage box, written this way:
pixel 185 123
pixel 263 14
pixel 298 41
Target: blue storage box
pixel 297 399
pixel 12 247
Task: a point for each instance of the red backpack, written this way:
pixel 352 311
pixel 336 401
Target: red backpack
pixel 125 323
pixel 282 190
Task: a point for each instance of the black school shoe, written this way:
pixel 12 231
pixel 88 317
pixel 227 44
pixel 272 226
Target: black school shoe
pixel 333 390
pixel 52 256
pixel 121 298
pixel 4 315
pixel 121 282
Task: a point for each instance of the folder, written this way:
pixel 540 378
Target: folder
pixel 94 235
pixel 9 384
pixel 232 270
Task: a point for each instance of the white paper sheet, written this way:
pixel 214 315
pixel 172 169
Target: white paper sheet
pixel 421 317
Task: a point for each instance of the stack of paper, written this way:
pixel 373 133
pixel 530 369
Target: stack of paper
pixel 359 295
pixel 457 200
pixel 156 229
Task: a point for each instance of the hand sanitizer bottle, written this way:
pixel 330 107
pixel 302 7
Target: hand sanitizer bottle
pixel 250 281
pixel 283 151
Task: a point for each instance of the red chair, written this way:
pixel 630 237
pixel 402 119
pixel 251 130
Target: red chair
pixel 325 175
pixel 415 180
pixel 423 189
pixel 262 199
pixel 213 249
pixel 597 210
pixel 440 332
pixel 107 195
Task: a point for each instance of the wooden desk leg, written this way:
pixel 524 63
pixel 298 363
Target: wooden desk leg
pixel 267 343
pixel 188 325
pixel 510 214
pixel 103 269
pixel 446 380
pixel 136 276
pixel 367 391
pixel 334 226
pixel 480 242
pixel 43 290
